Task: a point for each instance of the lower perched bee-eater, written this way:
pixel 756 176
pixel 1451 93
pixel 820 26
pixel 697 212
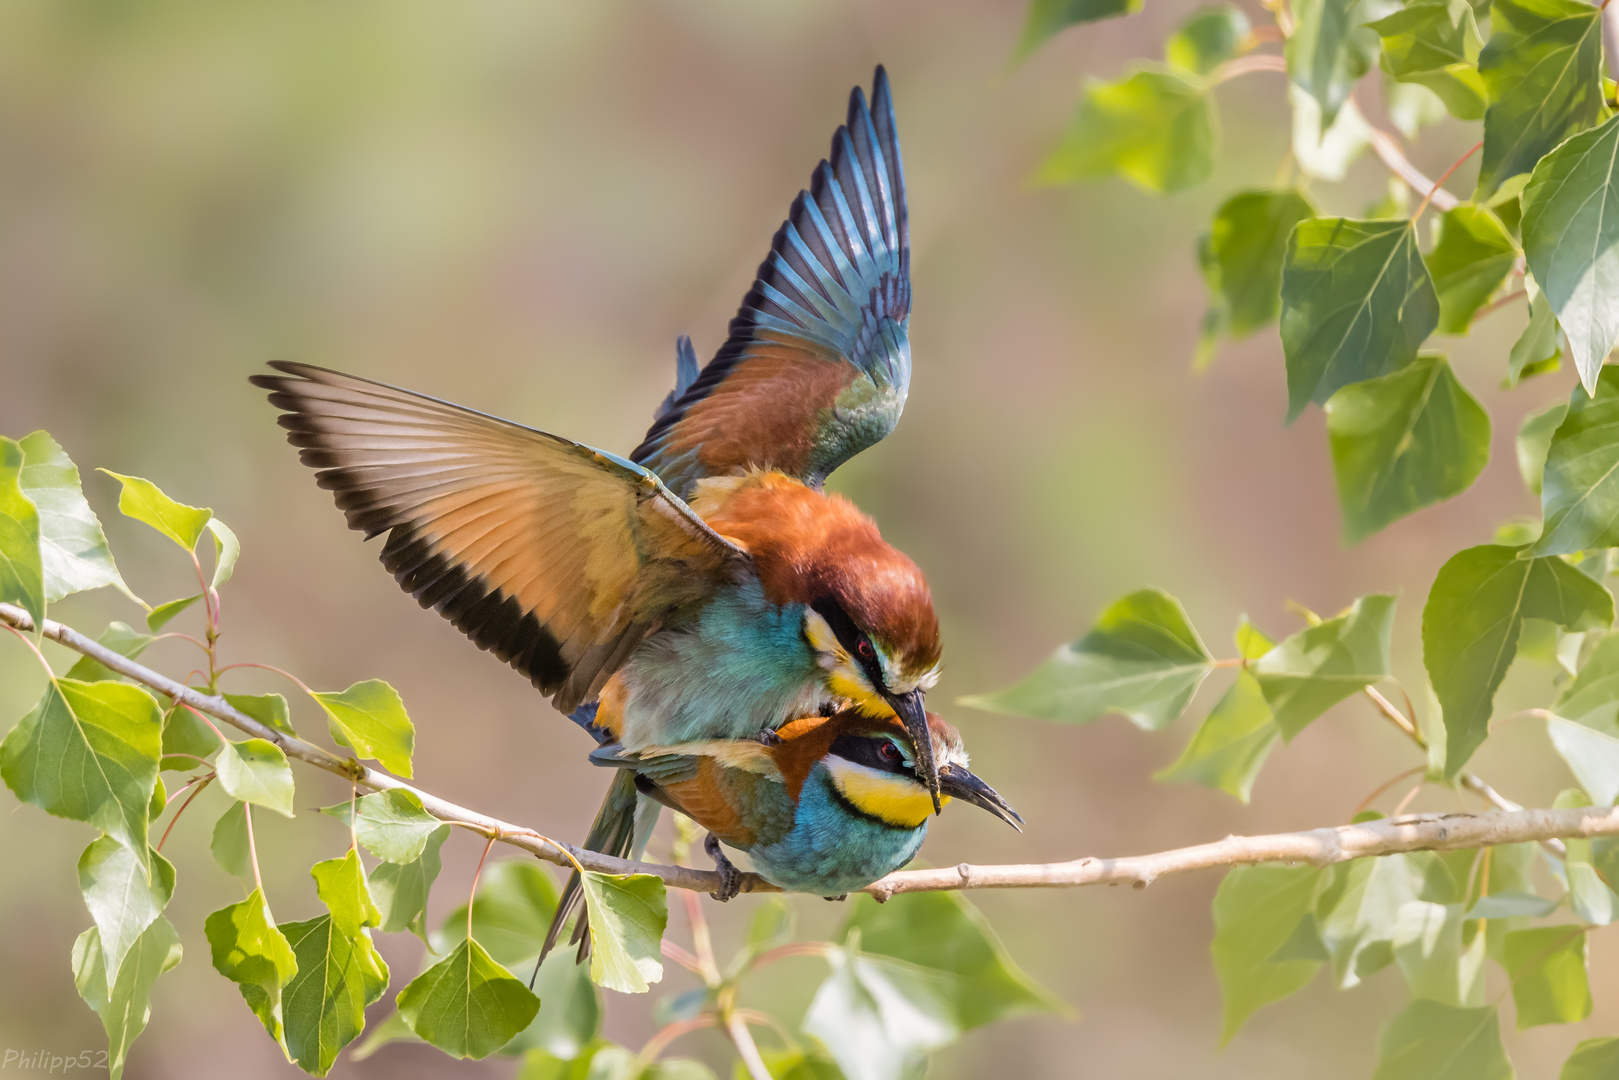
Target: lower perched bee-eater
pixel 708 590
pixel 826 806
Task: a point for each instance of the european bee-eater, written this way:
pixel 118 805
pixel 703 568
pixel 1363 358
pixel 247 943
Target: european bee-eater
pixel 709 589
pixel 828 805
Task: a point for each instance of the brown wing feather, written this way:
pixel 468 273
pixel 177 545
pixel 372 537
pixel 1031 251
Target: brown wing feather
pixel 558 558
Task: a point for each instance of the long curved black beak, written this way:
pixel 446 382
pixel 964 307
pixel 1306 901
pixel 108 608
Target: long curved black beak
pixel 958 783
pixel 914 715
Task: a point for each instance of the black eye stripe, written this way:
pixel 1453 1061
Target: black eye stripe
pixel 849 636
pixel 868 751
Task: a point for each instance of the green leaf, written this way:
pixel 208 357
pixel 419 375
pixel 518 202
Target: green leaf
pixel 1470 260
pixel 342 888
pixel 773 924
pixel 184 733
pixel 229 842
pixel 1579 492
pixel 466 1004
pixel 1547 965
pixel 400 889
pixel 89 752
pixel 251 951
pixel 369 718
pixel 268 709
pixel 392 825
pixel 73 549
pixel 1403 442
pixel 1585 730
pixel 1326 151
pixel 510 915
pixel 227 549
pixel 122 639
pixel 1321 665
pixel 1534 440
pixel 944 936
pixel 143 501
pixel 324 1004
pixel 1244 249
pixel 571 1018
pixel 163 614
pixel 1435 43
pixel 1429 946
pixel 1429 1040
pixel 1256 912
pixel 124 893
pixel 125 1010
pixel 1048 17
pixel 1593 1059
pixel 1571 237
pixel 878 1018
pixel 1359 926
pixel 1542 68
pixel 1231 744
pixel 1207 39
pixel 1471 623
pixel 1330 48
pixel 1156 127
pixel 22 574
pixel 1588 893
pixel 1539 348
pixel 1357 303
pixel 1411 108
pixel 1142 659
pixel 256 771
pixel 802 1064
pixel 628 913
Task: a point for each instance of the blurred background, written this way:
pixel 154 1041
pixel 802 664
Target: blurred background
pixel 518 206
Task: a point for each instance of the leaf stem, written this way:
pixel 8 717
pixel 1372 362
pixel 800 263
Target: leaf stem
pixel 476 874
pixel 1389 151
pixel 205 781
pixel 1499 303
pixel 1247 65
pixel 786 952
pixel 26 640
pixel 1435 189
pixel 667 1034
pixel 269 667
pixel 737 1029
pixel 252 848
pixel 354 824
pixel 680 956
pixel 1381 788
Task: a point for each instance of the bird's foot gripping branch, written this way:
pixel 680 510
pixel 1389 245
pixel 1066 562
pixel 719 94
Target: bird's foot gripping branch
pixel 1449 891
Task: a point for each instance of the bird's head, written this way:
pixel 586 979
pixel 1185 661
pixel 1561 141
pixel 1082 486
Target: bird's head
pixel 871 765
pixel 868 614
pixel 877 644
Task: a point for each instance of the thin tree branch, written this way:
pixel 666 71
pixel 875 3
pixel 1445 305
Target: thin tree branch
pixel 1318 847
pixel 1389 150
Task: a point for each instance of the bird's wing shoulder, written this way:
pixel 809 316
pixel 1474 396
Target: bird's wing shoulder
pixel 818 363
pixel 557 557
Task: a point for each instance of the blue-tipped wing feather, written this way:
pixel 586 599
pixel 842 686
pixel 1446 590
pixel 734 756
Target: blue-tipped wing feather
pixel 817 364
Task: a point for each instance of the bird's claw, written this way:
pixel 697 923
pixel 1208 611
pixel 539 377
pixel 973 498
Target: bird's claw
pixel 730 876
pixel 836 899
pixel 768 737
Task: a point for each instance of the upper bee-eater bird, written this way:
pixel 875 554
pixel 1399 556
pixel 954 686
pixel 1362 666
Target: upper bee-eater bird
pixel 707 590
pixel 828 806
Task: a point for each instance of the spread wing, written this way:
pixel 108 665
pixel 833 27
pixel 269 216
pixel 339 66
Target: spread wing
pixel 558 558
pixel 818 361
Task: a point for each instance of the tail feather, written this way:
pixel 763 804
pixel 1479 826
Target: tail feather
pixel 612 833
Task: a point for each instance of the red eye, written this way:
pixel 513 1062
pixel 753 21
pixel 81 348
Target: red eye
pixel 888 751
pixel 865 650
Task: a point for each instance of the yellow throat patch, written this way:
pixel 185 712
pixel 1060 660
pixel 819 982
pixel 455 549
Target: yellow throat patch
pixel 890 798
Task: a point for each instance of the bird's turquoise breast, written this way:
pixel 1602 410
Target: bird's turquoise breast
pixel 740 667
pixel 833 848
